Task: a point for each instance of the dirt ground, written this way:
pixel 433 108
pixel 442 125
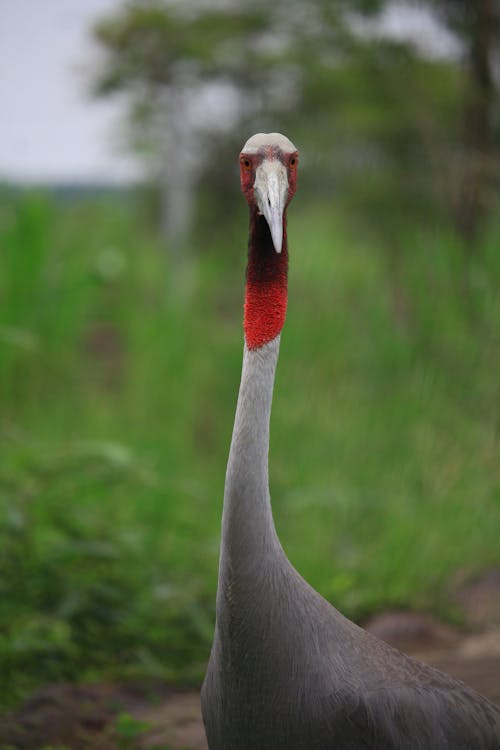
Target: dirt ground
pixel 158 716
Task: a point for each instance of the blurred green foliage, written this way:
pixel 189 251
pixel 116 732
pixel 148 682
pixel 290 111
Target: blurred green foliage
pixel 118 383
pixel 129 730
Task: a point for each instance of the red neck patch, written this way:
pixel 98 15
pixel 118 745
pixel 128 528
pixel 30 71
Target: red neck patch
pixel 266 289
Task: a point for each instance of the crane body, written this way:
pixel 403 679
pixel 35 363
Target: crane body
pixel 287 670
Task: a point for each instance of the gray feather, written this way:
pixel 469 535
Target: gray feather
pixel 287 670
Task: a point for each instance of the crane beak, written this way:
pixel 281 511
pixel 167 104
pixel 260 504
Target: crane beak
pixel 271 191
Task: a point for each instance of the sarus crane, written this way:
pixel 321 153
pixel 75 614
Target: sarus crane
pixel 288 671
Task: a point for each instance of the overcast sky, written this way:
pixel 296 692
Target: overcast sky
pixel 50 129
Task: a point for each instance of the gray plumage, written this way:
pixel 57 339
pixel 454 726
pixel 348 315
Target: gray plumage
pixel 287 670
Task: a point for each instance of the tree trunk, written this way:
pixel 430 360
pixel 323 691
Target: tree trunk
pixel 479 167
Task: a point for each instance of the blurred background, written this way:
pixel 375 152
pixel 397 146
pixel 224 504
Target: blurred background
pixel 122 255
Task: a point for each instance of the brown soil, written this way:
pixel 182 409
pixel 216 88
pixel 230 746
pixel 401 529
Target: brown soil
pixel 85 717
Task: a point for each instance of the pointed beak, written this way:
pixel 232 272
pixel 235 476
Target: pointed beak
pixel 271 190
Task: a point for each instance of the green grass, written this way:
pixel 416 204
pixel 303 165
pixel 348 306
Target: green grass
pixel 118 382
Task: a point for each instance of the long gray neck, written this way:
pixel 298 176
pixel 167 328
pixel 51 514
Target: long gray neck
pixel 248 531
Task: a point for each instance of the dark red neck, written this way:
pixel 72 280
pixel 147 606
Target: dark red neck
pixel 266 289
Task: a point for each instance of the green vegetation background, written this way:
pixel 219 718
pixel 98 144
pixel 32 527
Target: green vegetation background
pixel 118 383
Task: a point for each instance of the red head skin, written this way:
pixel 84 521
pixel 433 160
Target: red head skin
pixel 267 271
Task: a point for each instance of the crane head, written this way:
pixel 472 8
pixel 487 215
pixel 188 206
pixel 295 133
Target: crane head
pixel 268 169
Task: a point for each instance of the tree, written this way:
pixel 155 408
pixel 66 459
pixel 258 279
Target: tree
pixel 170 61
pixel 371 112
pixel 477 22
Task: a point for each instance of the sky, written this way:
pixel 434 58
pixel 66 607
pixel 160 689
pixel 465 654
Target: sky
pixel 52 130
